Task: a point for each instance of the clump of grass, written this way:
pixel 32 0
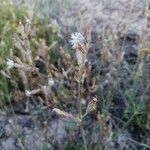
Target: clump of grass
pixel 8 23
pixel 123 85
pixel 10 16
pixel 17 49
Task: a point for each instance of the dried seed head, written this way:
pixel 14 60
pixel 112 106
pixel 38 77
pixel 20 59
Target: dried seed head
pixel 81 57
pixel 62 113
pixel 92 105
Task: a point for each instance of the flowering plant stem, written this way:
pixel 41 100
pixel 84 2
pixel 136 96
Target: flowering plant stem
pixel 84 139
pixel 79 106
pixel 79 94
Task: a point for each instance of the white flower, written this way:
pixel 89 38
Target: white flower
pixel 28 93
pixel 83 101
pixel 28 21
pixel 50 82
pixel 10 64
pixel 76 39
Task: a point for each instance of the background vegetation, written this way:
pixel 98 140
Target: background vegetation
pixel 117 73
